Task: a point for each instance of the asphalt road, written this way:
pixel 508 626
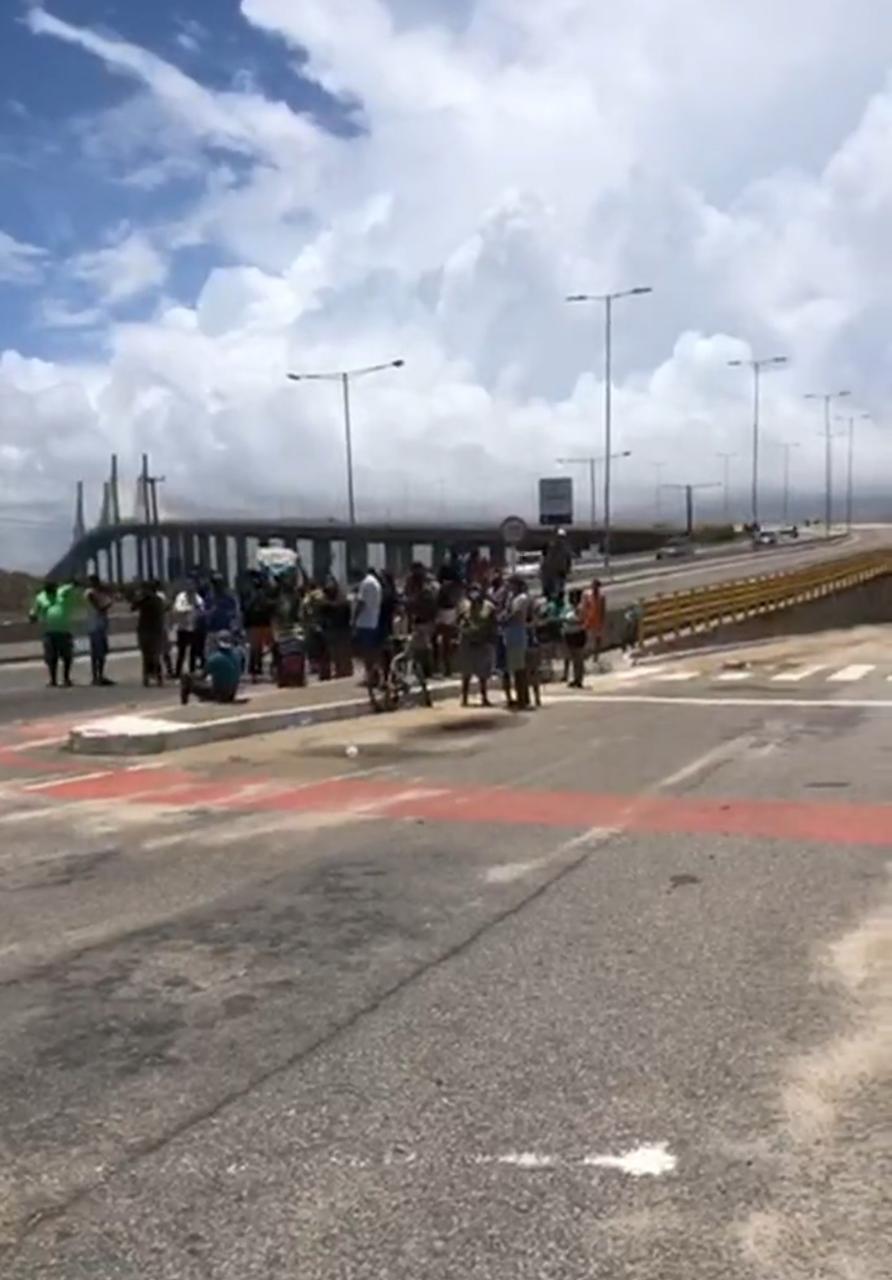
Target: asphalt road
pixel 600 991
pixel 23 694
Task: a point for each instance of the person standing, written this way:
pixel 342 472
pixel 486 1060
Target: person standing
pixel 594 619
pixel 55 608
pixel 575 638
pixel 258 606
pixel 557 562
pixel 366 624
pixel 187 606
pixel 515 633
pixel 477 635
pixel 421 595
pixel 150 608
pixel 334 623
pixel 99 602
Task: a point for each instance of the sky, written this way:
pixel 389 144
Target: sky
pixel 199 196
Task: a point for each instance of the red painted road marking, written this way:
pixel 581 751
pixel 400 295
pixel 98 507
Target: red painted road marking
pixel 781 819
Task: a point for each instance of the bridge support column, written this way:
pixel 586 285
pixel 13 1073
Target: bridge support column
pixel 241 556
pixel 204 552
pixel 357 553
pixel 222 556
pixel 140 559
pixel 109 565
pixel 321 564
pixel 119 562
pixel 397 558
pixel 438 554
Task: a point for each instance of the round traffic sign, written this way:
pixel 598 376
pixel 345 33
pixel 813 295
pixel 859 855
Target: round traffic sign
pixel 513 531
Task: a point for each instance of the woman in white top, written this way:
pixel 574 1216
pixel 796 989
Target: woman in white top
pixel 186 606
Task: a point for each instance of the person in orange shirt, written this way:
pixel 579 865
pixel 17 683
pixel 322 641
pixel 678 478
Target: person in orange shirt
pixel 594 619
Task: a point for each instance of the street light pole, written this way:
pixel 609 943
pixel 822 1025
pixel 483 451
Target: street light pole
pixel 608 300
pixel 343 376
pixel 591 462
pixel 828 399
pixel 850 477
pixel 757 366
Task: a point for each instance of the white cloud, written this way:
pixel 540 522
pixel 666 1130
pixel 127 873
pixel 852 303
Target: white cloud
pixel 124 269
pixel 19 263
pixel 734 158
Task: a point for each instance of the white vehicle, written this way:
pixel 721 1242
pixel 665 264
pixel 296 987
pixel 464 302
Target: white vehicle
pixel 529 565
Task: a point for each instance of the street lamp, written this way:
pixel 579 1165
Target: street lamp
pixel 591 463
pixel 828 398
pixel 757 366
pixel 608 300
pixel 850 478
pixel 343 376
pixel 727 459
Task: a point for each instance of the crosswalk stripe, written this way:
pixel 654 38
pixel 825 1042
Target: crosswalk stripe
pixel 734 677
pixel 848 675
pixel 677 677
pixel 801 673
pixel 638 673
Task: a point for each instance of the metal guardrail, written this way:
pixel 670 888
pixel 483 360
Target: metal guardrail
pixel 705 608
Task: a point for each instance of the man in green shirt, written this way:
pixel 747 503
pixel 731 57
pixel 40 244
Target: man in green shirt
pixel 55 609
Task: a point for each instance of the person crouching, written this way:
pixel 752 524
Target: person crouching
pixel 221 677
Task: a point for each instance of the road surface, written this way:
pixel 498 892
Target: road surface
pixel 598 991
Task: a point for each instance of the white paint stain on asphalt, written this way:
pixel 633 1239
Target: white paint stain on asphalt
pixel 649 1161
pixel 525 1160
pixel 507 872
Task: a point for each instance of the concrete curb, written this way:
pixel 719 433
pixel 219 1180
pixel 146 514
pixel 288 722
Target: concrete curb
pixel 138 736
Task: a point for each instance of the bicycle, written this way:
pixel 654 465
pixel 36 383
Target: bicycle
pixel 404 682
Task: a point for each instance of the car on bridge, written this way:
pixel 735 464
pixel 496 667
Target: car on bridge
pixel 676 549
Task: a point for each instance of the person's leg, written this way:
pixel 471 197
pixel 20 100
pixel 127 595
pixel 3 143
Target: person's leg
pixel 578 668
pixel 522 686
pixel 184 640
pixel 51 657
pixel 95 659
pixel 484 692
pixel 66 648
pixel 465 689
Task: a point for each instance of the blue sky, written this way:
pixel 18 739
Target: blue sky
pixel 66 187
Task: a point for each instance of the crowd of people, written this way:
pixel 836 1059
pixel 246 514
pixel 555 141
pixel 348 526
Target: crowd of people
pixel 467 618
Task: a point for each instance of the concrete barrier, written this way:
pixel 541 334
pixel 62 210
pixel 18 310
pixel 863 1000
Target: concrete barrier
pixel 148 735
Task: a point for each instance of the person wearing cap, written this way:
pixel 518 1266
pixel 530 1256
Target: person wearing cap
pixel 221 678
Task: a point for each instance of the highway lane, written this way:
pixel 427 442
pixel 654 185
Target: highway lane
pixel 22 685
pixel 515 997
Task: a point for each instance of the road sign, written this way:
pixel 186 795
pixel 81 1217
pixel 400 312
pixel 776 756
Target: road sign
pixel 556 500
pixel 513 531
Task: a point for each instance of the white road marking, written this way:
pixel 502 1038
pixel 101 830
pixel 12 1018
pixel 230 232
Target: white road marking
pixel 801 673
pixel 66 777
pixel 643 1162
pixel 723 751
pixel 668 700
pixel 734 677
pixel 848 675
pixel 677 677
pixel 638 673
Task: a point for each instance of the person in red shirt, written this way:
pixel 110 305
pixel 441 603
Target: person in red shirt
pixel 594 619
